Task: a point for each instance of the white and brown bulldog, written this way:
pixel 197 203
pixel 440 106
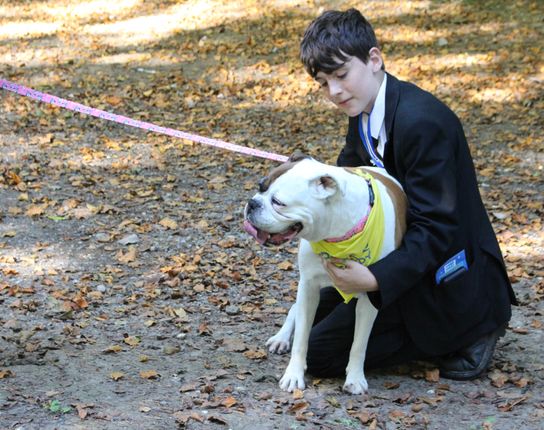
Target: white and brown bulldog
pixel 327 207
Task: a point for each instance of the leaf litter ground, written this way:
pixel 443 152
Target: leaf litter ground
pixel 131 297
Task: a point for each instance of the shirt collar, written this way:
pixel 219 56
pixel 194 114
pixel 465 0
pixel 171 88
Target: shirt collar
pixel 378 111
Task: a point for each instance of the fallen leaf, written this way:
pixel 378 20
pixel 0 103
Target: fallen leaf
pixel 255 354
pixel 498 378
pixel 169 223
pixel 432 375
pixel 117 375
pixel 298 394
pixel 113 348
pixel 286 265
pixel 229 402
pixel 6 373
pixel 149 374
pixel 128 257
pixel 131 340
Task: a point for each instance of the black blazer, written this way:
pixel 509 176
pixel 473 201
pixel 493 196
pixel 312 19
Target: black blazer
pixel 428 153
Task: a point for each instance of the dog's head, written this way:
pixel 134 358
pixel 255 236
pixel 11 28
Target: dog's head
pixel 293 200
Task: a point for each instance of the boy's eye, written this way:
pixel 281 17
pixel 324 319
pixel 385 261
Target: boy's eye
pixel 342 75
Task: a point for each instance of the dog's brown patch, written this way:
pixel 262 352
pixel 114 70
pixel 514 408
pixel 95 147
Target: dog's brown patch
pixel 275 173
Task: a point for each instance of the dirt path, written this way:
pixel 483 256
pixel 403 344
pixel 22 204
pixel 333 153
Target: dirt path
pixel 131 297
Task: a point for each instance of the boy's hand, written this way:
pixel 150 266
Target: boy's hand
pixel 350 276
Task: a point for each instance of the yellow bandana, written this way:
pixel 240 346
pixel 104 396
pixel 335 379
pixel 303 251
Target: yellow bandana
pixel 365 246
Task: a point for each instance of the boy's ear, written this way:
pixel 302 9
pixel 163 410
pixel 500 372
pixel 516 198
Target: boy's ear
pixel 375 57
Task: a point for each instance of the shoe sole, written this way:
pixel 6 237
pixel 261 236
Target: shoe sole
pixel 467 375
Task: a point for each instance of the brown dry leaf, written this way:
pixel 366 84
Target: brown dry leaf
pixel 396 414
pixel 432 375
pixel 298 406
pixel 85 212
pixel 286 265
pixel 536 324
pixel 202 224
pixel 183 417
pixel 168 223
pixel 298 394
pixel 229 402
pixel 113 100
pixel 217 420
pixel 129 257
pixel 113 349
pixel 204 329
pixel 255 354
pixel 36 210
pixel 508 406
pixel 363 416
pixel 149 374
pixel 522 382
pixel 82 411
pixel 117 375
pixel 417 407
pixel 132 340
pixel 498 378
pixel 6 373
pixel 181 314
pixel 333 401
pixel 80 302
pixel 228 242
pixel 188 387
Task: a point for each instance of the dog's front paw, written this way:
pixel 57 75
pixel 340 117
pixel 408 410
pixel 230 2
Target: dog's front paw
pixel 278 344
pixel 291 379
pixel 356 384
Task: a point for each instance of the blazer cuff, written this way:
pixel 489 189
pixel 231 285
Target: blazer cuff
pixel 385 294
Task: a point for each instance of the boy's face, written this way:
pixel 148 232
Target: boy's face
pixel 354 86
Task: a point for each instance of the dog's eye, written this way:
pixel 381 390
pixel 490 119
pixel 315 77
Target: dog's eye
pixel 276 202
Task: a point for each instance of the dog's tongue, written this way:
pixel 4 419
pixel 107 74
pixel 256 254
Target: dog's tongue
pixel 259 235
pixel 280 238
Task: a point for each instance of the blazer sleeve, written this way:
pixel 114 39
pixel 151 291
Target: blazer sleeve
pixel 426 155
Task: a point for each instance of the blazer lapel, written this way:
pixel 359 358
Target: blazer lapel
pixel 392 95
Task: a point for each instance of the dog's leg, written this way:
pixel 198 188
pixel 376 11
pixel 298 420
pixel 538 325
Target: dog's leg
pixel 280 343
pixel 306 306
pixel 365 314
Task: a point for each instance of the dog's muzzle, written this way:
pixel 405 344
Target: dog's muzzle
pixel 264 237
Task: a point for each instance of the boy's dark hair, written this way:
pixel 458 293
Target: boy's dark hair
pixel 333 37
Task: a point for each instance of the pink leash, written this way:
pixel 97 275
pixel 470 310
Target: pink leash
pixel 76 107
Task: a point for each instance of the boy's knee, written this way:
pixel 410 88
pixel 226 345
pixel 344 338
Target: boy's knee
pixel 324 362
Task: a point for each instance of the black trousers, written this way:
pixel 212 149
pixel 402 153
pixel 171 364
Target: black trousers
pixel 332 335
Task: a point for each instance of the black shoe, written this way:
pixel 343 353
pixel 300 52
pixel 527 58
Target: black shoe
pixel 473 360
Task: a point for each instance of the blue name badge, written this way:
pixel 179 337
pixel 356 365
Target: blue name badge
pixel 452 268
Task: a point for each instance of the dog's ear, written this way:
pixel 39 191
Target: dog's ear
pixel 324 186
pixel 297 156
pixel 275 173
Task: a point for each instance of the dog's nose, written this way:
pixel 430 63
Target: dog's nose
pixel 252 205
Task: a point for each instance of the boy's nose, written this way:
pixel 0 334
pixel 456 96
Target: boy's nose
pixel 334 88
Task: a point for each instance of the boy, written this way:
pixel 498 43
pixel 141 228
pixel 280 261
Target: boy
pixel 428 309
